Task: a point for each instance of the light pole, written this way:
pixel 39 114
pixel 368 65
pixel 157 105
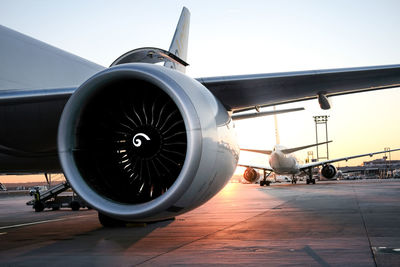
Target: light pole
pixel 387 149
pixel 324 121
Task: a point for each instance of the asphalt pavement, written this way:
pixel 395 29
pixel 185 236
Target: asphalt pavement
pixel 338 223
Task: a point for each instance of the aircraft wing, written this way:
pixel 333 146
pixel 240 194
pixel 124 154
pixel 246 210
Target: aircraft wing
pixel 18 96
pixel 315 164
pixel 243 92
pixel 257 166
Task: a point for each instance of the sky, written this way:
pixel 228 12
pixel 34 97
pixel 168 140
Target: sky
pixel 246 37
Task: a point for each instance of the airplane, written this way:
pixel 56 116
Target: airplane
pixel 282 161
pixel 139 141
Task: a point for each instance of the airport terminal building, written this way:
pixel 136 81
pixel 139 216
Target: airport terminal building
pixel 381 168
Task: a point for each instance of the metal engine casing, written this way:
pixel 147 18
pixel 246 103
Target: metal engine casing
pixel 211 154
pixel 251 175
pixel 328 171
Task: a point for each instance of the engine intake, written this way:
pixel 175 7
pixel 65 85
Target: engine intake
pixel 328 171
pixel 131 144
pixel 251 175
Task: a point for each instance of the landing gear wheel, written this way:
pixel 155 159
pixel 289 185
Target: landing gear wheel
pixel 313 181
pixel 107 221
pixel 266 183
pixel 38 206
pixel 75 205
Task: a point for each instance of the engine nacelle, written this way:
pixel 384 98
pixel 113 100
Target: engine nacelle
pixel 141 142
pixel 251 175
pixel 328 171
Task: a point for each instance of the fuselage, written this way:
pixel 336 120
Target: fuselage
pixel 283 163
pixel 29 125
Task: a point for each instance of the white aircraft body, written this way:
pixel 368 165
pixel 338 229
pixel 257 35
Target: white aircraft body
pixel 139 141
pixel 282 161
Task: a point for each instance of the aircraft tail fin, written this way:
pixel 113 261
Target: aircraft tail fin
pixel 277 139
pixel 291 150
pixel 179 44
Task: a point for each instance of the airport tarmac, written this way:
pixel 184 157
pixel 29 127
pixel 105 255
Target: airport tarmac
pixel 339 223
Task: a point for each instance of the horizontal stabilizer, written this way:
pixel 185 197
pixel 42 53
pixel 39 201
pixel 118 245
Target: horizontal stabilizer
pixel 264 113
pixel 291 150
pixel 267 152
pixel 285 151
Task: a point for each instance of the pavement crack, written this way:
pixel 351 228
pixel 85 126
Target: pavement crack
pixel 365 225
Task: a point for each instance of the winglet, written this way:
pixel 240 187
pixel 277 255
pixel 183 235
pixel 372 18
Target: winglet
pixel 179 44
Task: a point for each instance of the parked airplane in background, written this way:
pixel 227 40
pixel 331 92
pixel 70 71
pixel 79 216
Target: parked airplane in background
pixel 139 141
pixel 282 161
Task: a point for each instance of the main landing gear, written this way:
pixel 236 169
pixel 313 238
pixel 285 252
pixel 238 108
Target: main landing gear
pixel 294 179
pixel 310 179
pixel 264 180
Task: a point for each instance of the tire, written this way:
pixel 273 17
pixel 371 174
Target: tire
pixel 55 208
pixel 75 206
pixel 313 181
pixel 261 183
pixel 38 206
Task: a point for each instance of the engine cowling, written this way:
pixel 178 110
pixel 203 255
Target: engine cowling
pixel 251 175
pixel 328 171
pixel 141 142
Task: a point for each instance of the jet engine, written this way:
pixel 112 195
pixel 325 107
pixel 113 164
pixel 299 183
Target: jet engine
pixel 328 171
pixel 251 175
pixel 140 142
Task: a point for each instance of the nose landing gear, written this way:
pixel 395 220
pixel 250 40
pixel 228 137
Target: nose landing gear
pixel 294 179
